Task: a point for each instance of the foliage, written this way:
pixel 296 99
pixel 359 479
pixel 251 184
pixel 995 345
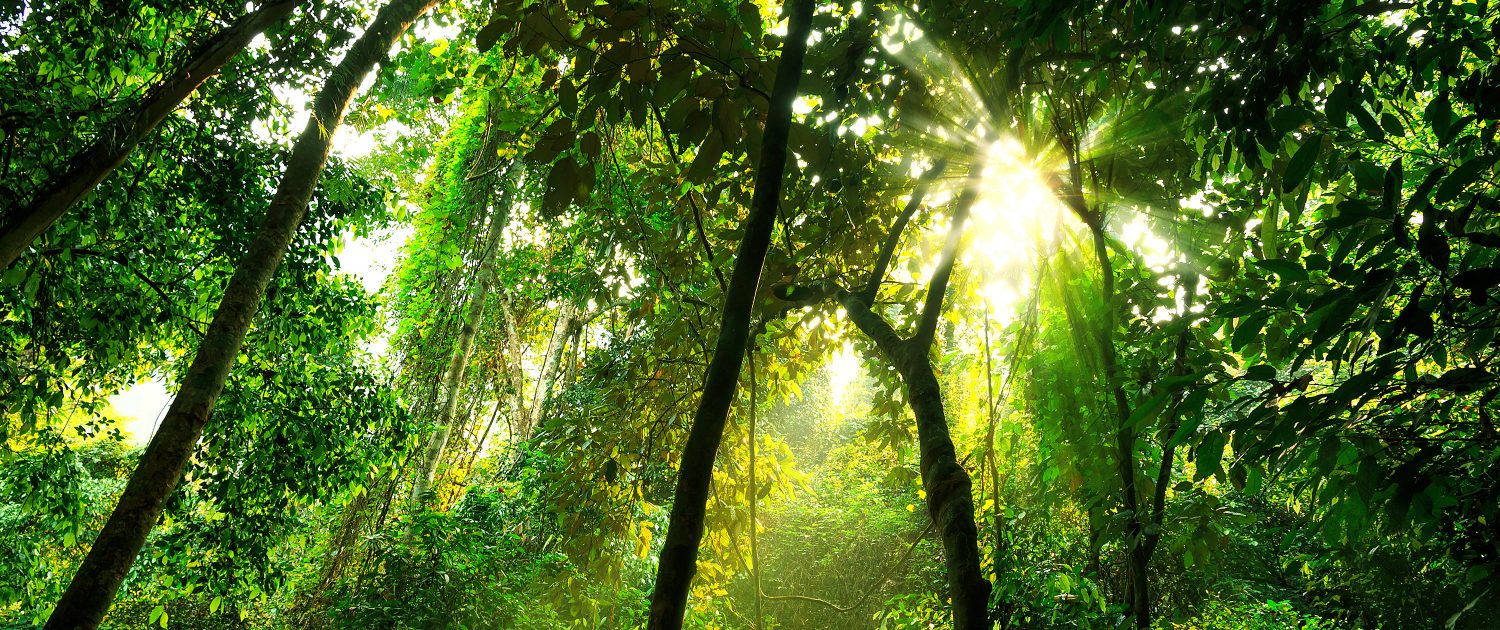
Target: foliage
pixel 1221 326
pixel 452 570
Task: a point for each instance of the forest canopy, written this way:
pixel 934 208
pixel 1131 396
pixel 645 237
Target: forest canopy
pixel 745 314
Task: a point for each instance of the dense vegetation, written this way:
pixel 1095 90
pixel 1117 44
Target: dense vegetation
pixel 1015 314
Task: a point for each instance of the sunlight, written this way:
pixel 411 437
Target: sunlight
pixel 140 408
pixel 843 369
pixel 1015 214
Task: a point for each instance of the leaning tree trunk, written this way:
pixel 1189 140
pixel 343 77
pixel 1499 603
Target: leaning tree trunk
pixel 125 132
pixel 458 361
pixel 679 554
pixel 562 331
pixel 87 599
pixel 453 379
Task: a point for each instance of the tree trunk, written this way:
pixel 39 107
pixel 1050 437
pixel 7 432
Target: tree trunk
pixel 125 132
pixel 1137 585
pixel 476 192
pixel 562 330
pixel 678 562
pixel 458 361
pixel 950 499
pixel 453 379
pixel 516 373
pixel 93 587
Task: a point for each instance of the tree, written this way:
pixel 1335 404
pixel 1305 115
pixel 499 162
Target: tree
pixel 950 501
pixel 24 224
pixel 1168 314
pixel 474 310
pixel 88 597
pixel 674 574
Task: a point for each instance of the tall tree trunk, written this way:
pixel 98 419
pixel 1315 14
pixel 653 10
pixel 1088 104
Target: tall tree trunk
pixel 562 330
pixel 453 380
pixel 477 192
pixel 458 362
pixel 125 132
pixel 87 599
pixel 950 500
pixel 516 374
pixel 1137 587
pixel 679 554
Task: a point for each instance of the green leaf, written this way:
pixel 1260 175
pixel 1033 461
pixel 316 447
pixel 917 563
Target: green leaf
pixel 1367 122
pixel 1260 372
pixel 1336 108
pixel 1210 455
pixel 1419 198
pixel 1288 119
pixel 1392 125
pixel 1301 163
pixel 1478 279
pixel 1328 453
pixel 1287 270
pixel 1248 329
pixel 1439 114
pixel 1460 178
pixel 1393 182
pixel 1147 410
pixel 1432 244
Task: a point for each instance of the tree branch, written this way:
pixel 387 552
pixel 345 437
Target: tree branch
pixel 893 238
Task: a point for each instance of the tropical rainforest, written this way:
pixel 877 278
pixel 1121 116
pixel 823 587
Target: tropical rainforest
pixel 749 314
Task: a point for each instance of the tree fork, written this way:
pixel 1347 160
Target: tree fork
pixel 950 501
pixel 679 555
pixel 123 134
pixel 87 599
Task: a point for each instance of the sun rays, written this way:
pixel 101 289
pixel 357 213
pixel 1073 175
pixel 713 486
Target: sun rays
pixel 1019 215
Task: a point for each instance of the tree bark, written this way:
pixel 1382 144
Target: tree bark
pixel 562 330
pixel 1136 555
pixel 453 379
pixel 678 561
pixel 950 500
pixel 458 361
pixel 87 599
pixel 87 169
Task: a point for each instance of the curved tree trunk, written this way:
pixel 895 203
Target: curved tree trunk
pixel 950 500
pixel 1137 585
pixel 93 587
pixel 123 134
pixel 679 554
